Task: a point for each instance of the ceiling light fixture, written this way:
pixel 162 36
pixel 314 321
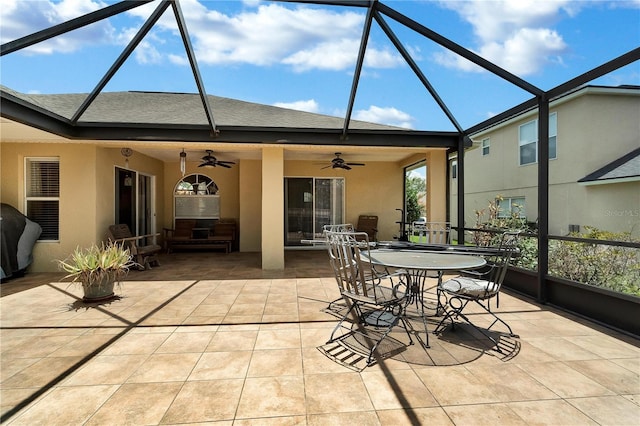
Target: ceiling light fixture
pixel 126 153
pixel 183 162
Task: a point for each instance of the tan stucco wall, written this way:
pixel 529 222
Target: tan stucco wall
pixel 593 130
pixel 226 179
pixel 87 191
pixel 77 195
pixel 109 159
pixel 250 205
pixel 375 189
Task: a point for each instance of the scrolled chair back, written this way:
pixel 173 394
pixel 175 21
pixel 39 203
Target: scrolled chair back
pixel 340 227
pixel 352 271
pixel 507 249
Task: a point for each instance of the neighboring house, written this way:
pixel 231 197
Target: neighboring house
pixel 278 192
pixel 594 167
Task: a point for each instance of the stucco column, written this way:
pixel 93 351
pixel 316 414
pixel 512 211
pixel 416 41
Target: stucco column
pixel 273 208
pixel 437 186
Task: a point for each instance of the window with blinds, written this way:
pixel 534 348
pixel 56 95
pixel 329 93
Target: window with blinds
pixel 195 198
pixel 42 195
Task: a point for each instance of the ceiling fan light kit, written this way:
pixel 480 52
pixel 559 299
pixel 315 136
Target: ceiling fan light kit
pixel 210 161
pixel 339 163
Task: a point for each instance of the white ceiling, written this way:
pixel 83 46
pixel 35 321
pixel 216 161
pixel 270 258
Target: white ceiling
pixel 11 131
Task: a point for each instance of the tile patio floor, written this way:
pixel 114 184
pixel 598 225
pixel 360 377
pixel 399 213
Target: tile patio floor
pixel 209 338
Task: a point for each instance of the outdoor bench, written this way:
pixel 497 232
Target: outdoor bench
pixel 200 234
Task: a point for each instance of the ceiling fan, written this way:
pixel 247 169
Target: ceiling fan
pixel 210 161
pixel 339 163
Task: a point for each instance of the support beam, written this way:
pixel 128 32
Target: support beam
pixel 416 70
pixel 543 196
pixel 182 26
pixel 121 59
pixel 456 48
pixel 70 25
pixel 437 194
pixel 460 182
pixel 273 208
pixel 358 70
pixel 617 63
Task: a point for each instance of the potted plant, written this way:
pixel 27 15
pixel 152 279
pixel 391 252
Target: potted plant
pixel 98 268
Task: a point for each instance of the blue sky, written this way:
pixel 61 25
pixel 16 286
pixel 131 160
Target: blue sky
pixel 303 56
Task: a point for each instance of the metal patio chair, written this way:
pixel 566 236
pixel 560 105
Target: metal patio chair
pixel 432 232
pixel 478 287
pixel 375 302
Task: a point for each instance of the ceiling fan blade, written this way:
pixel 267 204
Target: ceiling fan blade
pixel 344 166
pixel 224 165
pixel 355 164
pixel 326 167
pixel 226 162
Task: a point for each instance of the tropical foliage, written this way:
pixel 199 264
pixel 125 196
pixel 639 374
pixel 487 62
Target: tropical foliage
pixel 97 263
pixel 415 189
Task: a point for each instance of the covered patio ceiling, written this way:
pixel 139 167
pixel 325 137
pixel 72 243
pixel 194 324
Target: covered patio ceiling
pixel 167 151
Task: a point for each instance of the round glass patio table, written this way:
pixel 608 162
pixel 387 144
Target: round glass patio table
pixel 425 261
pixel 418 266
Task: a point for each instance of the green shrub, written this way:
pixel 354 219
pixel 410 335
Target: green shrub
pixel 613 267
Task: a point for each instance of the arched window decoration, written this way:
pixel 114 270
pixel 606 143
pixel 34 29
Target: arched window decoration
pixel 195 197
pixel 196 184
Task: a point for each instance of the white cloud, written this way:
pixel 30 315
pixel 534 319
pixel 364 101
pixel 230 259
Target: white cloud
pixel 514 34
pixel 523 53
pixel 309 105
pixel 385 115
pixel 304 38
pixel 343 56
pixel 146 53
pixel 377 58
pixel 260 34
pixel 21 18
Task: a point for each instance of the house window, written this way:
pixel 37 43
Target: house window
pixel 486 145
pixel 553 135
pixel 42 195
pixel 528 140
pixel 454 169
pixel 528 136
pixel 195 197
pixel 511 207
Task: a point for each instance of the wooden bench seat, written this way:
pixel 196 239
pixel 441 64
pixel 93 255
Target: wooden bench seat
pixel 200 234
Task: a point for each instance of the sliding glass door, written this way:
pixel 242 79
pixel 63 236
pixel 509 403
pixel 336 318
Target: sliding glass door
pixel 134 203
pixel 311 203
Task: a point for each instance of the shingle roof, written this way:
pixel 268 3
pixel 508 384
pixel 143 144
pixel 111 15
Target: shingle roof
pixel 185 109
pixel 625 167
